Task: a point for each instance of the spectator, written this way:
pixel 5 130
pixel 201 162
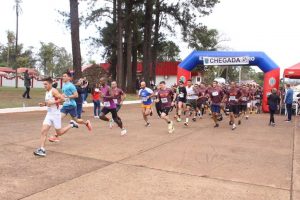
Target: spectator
pixel 96 101
pixel 27 84
pixel 273 102
pixel 85 86
pixel 79 99
pixel 137 84
pixel 289 101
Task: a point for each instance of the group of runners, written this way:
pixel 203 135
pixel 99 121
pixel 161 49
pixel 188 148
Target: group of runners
pixel 112 99
pixel 193 101
pixel 190 102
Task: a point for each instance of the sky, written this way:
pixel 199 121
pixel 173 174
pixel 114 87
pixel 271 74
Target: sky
pixel 249 25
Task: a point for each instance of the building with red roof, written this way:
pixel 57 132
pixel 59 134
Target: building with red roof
pixel 165 71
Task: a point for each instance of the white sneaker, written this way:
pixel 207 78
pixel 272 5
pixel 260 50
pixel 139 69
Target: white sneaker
pixel 171 127
pixel 96 117
pixel 111 123
pixel 233 126
pixel 123 132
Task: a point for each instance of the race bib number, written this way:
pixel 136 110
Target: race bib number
pixel 144 99
pixel 232 98
pixel 164 100
pixel 214 94
pixel 106 104
pixel 244 98
pixel 115 101
pixel 181 95
pixel 67 100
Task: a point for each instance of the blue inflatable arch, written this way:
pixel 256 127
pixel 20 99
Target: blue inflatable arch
pixel 231 58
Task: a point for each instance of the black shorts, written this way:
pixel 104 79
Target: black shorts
pixel 183 100
pixel 113 112
pixel 201 104
pixel 165 110
pixel 243 108
pixel 234 109
pixel 118 107
pixel 192 103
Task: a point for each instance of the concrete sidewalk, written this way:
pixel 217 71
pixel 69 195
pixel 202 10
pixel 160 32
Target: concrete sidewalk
pixel 37 108
pixel 254 162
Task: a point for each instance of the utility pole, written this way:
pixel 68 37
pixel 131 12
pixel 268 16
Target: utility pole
pixel 17 35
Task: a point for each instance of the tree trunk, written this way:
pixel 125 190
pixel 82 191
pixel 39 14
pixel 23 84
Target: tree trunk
pixel 134 53
pixel 147 41
pixel 114 45
pixel 129 85
pixel 155 43
pixel 120 68
pixel 75 38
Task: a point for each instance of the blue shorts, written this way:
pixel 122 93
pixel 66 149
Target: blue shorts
pixel 215 108
pixel 69 110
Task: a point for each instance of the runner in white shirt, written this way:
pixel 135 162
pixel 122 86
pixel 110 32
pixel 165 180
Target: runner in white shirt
pixel 191 102
pixel 53 118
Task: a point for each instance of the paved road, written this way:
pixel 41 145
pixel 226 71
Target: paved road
pixel 254 162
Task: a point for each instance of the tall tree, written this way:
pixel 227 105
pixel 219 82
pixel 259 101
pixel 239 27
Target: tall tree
pixel 10 42
pixel 113 68
pixel 147 41
pixel 120 67
pixel 53 60
pixel 74 18
pixel 156 37
pixel 168 51
pixel 128 41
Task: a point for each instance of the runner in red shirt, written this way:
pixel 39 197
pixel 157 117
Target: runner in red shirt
pixel 167 100
pixel 233 95
pixel 244 99
pixel 202 99
pixel 216 95
pixel 119 95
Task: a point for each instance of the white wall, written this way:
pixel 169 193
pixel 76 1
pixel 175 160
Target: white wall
pixel 8 83
pixel 12 83
pixel 169 81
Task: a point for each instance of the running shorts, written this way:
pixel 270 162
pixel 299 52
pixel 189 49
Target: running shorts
pixel 234 109
pixel 72 110
pixel 192 103
pixel 183 100
pixel 146 106
pixel 53 120
pixel 113 112
pixel 215 108
pixel 243 108
pixel 165 110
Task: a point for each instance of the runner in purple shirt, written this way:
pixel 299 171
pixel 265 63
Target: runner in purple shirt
pixel 167 99
pixel 107 98
pixel 118 94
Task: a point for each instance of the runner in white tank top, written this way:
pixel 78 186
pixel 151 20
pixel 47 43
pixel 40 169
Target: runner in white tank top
pixel 191 102
pixel 53 118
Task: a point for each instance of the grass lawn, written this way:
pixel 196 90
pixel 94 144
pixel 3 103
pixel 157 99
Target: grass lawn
pixel 12 97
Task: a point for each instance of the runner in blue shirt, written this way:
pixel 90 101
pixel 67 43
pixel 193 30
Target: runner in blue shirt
pixel 145 95
pixel 69 106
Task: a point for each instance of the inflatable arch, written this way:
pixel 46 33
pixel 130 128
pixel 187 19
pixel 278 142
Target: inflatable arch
pixel 231 58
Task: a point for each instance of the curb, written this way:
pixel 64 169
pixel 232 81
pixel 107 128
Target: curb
pixel 36 108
